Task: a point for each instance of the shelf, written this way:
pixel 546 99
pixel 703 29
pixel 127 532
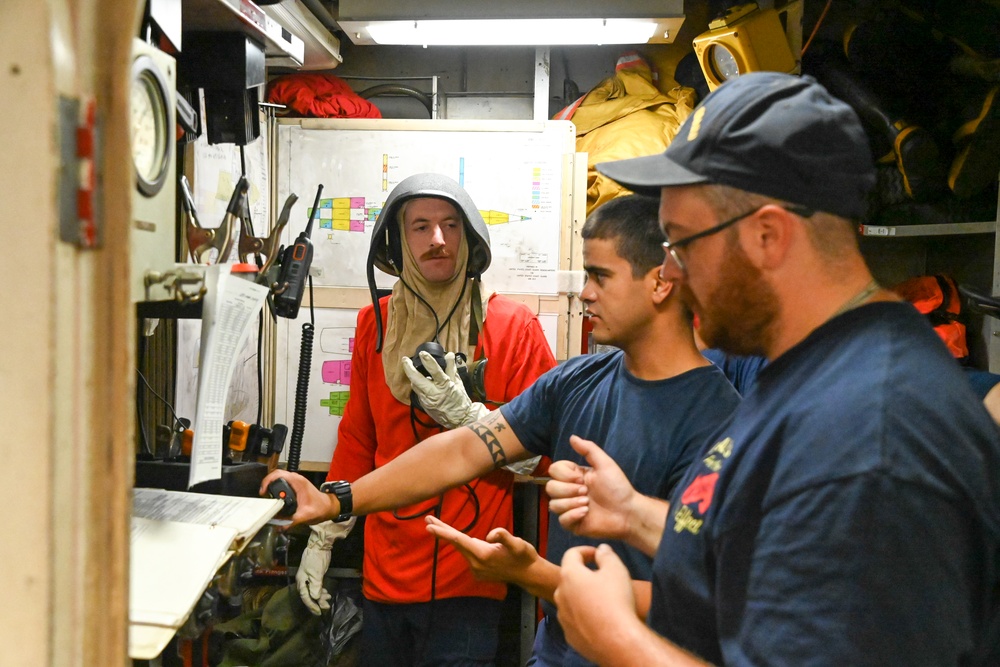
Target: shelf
pixel 928 230
pixel 168 310
pixel 244 16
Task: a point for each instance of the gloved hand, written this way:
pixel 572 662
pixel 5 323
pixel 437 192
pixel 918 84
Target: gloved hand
pixel 316 560
pixel 442 396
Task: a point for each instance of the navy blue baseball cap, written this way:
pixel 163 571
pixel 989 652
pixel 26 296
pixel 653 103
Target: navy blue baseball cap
pixel 772 134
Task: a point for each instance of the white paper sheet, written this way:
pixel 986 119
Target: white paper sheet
pixel 171 565
pixel 230 305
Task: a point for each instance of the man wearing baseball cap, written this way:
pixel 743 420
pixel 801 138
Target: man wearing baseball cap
pixel 849 513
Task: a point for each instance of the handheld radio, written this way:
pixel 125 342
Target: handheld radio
pixel 436 350
pixel 295 262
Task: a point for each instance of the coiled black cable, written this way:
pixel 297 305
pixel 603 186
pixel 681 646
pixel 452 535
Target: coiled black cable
pixel 301 396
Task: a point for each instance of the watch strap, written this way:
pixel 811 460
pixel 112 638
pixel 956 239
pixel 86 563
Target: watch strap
pixel 342 490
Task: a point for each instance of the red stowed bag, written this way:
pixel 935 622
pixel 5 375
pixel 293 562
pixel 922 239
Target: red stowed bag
pixel 313 95
pixel 937 297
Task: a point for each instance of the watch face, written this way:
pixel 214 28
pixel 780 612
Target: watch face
pixel 148 121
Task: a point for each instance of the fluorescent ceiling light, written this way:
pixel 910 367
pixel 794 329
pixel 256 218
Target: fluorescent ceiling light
pixel 513 32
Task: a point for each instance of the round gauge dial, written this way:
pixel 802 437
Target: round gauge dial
pixel 723 62
pixel 149 126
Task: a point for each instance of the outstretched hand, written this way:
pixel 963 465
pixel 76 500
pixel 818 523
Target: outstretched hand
pixel 595 501
pixel 313 505
pixel 501 557
pixel 594 602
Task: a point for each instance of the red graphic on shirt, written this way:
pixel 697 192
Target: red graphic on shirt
pixel 700 491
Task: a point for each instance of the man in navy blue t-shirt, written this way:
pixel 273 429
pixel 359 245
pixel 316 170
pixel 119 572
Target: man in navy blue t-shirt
pixel 742 371
pixel 849 512
pixel 651 405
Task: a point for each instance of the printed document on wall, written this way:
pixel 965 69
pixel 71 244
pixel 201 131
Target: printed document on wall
pixel 230 305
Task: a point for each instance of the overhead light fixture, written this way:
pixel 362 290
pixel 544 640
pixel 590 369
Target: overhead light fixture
pixel 514 32
pixel 750 39
pixel 511 23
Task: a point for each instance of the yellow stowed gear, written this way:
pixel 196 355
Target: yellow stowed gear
pixel 625 116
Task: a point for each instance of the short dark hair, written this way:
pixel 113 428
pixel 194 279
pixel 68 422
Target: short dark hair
pixel 633 222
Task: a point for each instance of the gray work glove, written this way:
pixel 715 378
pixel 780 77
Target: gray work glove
pixel 316 560
pixel 442 396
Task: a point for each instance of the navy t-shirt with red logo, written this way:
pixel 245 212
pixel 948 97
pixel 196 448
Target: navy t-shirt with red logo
pixel 848 514
pixel 652 429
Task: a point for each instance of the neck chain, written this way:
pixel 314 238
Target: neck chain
pixel 859 298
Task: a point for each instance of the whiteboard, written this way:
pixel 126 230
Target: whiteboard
pixel 513 170
pixel 519 173
pixel 329 378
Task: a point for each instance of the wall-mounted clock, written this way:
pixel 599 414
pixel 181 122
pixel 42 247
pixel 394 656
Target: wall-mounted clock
pixel 151 125
pixel 153 148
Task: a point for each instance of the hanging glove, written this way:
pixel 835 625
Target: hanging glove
pixel 442 396
pixel 316 560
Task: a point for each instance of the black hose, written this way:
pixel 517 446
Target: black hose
pixel 301 396
pixel 984 304
pixel 399 89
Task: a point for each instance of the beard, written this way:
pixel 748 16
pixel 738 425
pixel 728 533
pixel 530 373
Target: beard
pixel 739 316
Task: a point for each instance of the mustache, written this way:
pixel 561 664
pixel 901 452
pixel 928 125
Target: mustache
pixel 435 254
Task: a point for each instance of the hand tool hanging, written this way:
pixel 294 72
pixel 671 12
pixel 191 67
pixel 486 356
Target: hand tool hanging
pixel 202 241
pixel 267 246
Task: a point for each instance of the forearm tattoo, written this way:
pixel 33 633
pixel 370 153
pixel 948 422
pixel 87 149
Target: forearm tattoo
pixel 485 430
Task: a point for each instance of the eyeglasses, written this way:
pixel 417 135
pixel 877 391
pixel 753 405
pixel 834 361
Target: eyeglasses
pixel 671 247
